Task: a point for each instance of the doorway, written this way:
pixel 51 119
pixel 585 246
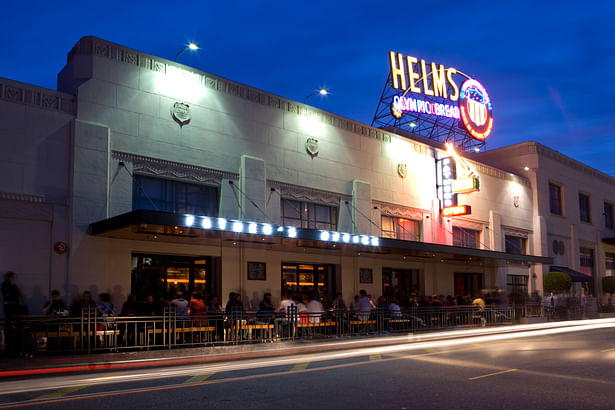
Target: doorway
pixel 168 274
pixel 307 279
pixel 400 282
pixel 468 284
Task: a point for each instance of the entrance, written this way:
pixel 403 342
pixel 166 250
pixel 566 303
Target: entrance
pixel 468 284
pixel 307 279
pixel 400 282
pixel 167 274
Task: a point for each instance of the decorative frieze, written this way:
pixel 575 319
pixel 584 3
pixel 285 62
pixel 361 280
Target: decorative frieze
pixel 399 211
pixel 160 167
pixel 307 194
pixel 37 96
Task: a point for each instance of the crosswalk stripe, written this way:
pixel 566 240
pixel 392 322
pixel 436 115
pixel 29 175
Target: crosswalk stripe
pixel 199 378
pixel 300 366
pixel 375 357
pixel 62 392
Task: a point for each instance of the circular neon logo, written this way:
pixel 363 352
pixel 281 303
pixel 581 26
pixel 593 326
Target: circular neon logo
pixel 475 107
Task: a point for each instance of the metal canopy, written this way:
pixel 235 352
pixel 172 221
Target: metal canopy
pixel 168 227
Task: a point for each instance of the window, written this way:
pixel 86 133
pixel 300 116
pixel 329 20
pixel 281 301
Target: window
pixel 158 194
pixel 308 215
pixel 608 215
pixel 401 228
pixel 587 268
pixel 516 285
pixel 515 244
pixel 466 238
pixel 609 261
pixel 555 199
pixel 584 210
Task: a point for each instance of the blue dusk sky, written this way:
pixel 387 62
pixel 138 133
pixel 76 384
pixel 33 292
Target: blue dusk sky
pixel 549 67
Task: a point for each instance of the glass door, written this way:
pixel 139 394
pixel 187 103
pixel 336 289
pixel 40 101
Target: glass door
pixel 307 279
pixel 168 274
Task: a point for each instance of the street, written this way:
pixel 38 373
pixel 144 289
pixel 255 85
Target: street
pixel 540 369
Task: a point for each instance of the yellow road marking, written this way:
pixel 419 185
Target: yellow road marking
pixel 300 366
pixel 431 350
pixel 62 392
pixel 199 378
pixel 375 357
pixel 608 350
pixel 493 374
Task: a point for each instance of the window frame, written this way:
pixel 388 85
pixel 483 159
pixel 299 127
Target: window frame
pixel 522 244
pixel 305 210
pixel 608 216
pixel 174 196
pixel 587 216
pixel 398 232
pixel 560 199
pixel 464 243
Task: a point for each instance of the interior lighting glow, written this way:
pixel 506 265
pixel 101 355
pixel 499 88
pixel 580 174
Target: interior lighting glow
pixel 526 168
pixel 206 223
pixel 221 223
pixel 267 229
pixel 252 228
pixel 355 239
pixel 375 241
pixel 364 240
pixel 237 226
pixel 324 236
pixel 346 237
pixel 335 236
pixel 292 232
pixel 189 220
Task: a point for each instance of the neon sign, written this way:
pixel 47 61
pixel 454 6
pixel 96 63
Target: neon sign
pixel 457 210
pixel 401 104
pixel 475 107
pixel 412 75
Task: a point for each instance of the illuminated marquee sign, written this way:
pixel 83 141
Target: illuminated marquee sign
pixel 472 108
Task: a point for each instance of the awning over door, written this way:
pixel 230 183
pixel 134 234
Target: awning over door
pixel 574 275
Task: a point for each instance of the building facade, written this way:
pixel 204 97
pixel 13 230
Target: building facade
pixel 141 175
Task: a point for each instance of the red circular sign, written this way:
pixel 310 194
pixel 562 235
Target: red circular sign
pixel 475 107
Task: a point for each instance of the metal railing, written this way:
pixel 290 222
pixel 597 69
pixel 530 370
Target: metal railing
pixel 92 332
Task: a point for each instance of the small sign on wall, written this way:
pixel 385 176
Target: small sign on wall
pixel 257 271
pixel 366 275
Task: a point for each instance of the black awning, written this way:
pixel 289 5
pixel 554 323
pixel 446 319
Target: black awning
pixel 610 241
pixel 574 275
pixel 141 224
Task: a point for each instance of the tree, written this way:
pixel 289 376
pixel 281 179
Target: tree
pixel 557 282
pixel 608 284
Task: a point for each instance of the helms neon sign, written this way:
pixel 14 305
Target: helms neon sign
pixel 415 76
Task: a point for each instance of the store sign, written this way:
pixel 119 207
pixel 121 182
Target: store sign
pixel 471 103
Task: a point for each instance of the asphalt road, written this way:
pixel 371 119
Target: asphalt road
pixel 535 371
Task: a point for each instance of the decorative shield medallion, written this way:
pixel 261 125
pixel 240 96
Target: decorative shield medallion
pixel 181 113
pixel 516 201
pixel 311 146
pixel 402 170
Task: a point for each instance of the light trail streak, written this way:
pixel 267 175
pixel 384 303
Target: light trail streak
pixel 195 370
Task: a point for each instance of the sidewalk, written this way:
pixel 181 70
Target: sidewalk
pixel 47 365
